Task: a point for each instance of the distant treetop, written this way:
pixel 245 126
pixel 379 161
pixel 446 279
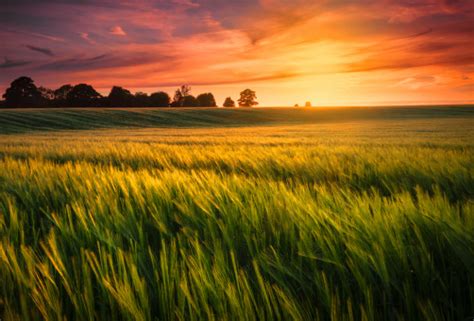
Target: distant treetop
pixel 160 99
pixel 62 92
pixel 120 97
pixel 229 102
pixel 83 95
pixel 248 98
pixel 23 93
pixel 206 100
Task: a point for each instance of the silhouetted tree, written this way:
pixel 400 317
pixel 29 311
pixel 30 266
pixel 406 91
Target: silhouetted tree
pixel 178 98
pixel 83 95
pixel 141 100
pixel 229 102
pixel 175 104
pixel 101 102
pixel 47 96
pixel 206 100
pixel 190 101
pixel 185 90
pixel 160 99
pixel 46 93
pixel 248 98
pixel 61 93
pixel 180 94
pixel 23 93
pixel 120 97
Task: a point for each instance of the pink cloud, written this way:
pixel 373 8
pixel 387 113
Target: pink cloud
pixel 117 31
pixel 86 37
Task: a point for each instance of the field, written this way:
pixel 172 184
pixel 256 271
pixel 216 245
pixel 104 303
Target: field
pixel 268 214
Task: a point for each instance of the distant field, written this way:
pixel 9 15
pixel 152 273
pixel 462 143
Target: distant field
pixel 25 120
pixel 237 214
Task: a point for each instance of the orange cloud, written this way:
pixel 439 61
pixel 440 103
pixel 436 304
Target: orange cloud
pixel 117 31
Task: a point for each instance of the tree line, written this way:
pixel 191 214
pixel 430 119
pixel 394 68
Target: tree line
pixel 24 93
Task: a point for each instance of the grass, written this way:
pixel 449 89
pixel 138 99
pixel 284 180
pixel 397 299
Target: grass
pixel 270 214
pixel 37 119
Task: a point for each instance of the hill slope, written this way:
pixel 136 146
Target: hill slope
pixel 25 120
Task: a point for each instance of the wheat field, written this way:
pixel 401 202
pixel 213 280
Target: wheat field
pixel 265 214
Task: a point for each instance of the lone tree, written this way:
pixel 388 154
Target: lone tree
pixel 229 102
pixel 248 98
pixel 308 104
pixel 83 95
pixel 23 93
pixel 120 97
pixel 206 100
pixel 160 99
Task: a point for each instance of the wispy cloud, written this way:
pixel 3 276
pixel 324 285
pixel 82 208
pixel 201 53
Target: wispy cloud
pixel 78 63
pixel 44 51
pixel 13 63
pixel 85 36
pixel 40 35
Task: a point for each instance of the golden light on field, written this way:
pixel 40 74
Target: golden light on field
pixel 240 214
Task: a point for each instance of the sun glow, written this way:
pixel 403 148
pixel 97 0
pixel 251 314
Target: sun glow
pixel 288 52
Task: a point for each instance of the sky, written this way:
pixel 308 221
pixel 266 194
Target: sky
pixel 328 52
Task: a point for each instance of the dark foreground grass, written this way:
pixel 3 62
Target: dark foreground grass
pixel 350 218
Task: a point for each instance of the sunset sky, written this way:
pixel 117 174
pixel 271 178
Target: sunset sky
pixel 339 52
